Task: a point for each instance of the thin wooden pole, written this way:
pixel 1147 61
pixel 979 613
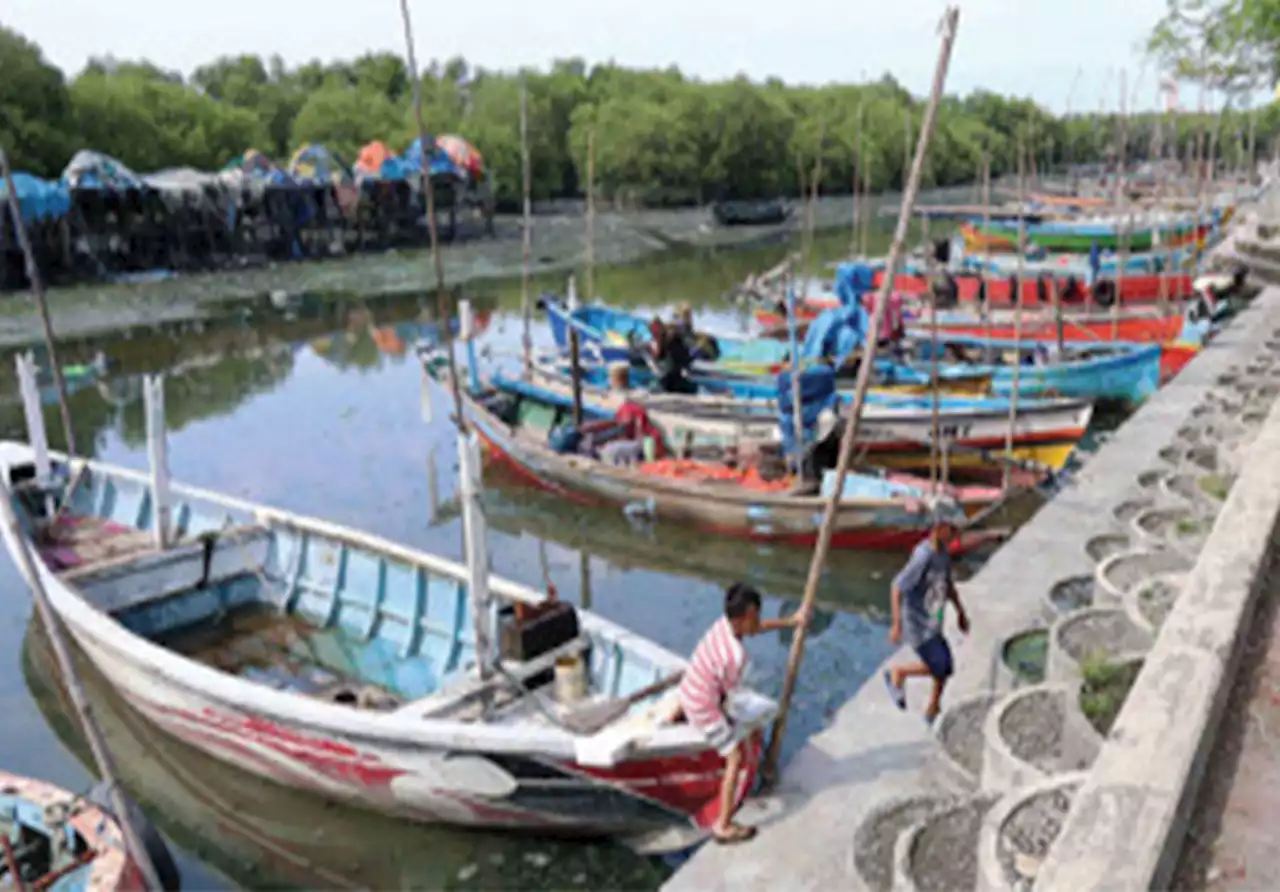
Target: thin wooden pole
pixel 795 297
pixel 1017 317
pixel 985 307
pixel 591 215
pixel 935 446
pixel 906 144
pixel 850 435
pixel 429 191
pixel 79 700
pixel 857 172
pixel 36 284
pixel 526 236
pixel 865 220
pixel 1121 199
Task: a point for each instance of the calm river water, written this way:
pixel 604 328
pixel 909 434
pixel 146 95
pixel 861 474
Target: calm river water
pixel 317 409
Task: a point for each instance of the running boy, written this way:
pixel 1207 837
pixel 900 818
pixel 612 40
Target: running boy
pixel 919 594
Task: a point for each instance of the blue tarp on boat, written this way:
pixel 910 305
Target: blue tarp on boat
pixel 817 393
pixel 836 333
pixel 853 280
pixel 39 200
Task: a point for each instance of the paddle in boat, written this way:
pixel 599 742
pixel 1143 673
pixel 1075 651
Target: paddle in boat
pixel 329 660
pixel 55 839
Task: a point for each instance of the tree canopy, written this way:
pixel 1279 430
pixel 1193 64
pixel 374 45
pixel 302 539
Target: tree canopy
pixel 660 137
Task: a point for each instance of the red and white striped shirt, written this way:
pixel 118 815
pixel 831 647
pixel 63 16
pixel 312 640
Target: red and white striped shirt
pixel 716 667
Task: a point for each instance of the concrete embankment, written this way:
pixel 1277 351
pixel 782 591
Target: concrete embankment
pixel 1136 580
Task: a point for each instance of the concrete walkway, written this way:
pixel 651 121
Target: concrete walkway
pixel 1231 840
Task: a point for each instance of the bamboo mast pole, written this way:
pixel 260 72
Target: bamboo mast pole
pixel 935 445
pixel 793 302
pixel 1121 201
pixel 48 616
pixel 850 435
pixel 857 172
pixel 36 284
pixel 429 191
pixel 985 306
pixel 1017 316
pixel 526 234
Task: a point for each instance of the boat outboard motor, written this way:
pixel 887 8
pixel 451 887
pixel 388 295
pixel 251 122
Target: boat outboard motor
pixel 157 850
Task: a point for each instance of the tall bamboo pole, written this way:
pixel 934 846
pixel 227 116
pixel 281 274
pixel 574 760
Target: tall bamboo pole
pixel 1121 199
pixel 850 435
pixel 1017 316
pixel 526 235
pixel 857 172
pixel 428 189
pixel 793 302
pixel 36 284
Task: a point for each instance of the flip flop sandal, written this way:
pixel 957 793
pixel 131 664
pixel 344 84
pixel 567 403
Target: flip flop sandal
pixel 737 833
pixel 895 691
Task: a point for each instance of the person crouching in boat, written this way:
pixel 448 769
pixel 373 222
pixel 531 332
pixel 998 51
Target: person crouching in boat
pixel 717 667
pixel 700 346
pixel 671 358
pixel 919 595
pixel 631 423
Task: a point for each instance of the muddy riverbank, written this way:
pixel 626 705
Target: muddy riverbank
pixel 558 245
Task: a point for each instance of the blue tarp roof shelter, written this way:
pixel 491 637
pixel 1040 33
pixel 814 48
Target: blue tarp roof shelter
pixel 441 164
pixel 39 200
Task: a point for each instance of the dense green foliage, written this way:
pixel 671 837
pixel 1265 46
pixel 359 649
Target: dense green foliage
pixel 660 137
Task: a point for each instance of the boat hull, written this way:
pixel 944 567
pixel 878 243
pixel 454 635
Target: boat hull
pixel 897 439
pixel 436 771
pixel 755 516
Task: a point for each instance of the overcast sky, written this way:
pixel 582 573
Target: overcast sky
pixel 1024 47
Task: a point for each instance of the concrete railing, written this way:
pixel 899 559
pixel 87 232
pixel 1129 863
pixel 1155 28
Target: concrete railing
pixel 1129 817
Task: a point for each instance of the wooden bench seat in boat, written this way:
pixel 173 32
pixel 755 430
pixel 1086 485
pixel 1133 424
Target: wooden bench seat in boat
pixel 467 690
pixel 129 577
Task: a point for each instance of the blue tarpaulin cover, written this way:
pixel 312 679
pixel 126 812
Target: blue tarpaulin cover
pixel 441 164
pixel 852 281
pixel 817 393
pixel 39 200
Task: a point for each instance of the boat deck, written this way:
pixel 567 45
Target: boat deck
pixel 258 643
pixel 74 542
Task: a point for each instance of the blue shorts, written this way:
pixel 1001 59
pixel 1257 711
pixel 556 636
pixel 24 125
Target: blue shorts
pixel 936 654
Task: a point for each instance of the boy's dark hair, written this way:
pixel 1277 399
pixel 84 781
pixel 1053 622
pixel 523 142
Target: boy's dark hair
pixel 739 598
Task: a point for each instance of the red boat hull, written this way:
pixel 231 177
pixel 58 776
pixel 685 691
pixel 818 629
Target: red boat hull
pixel 1133 289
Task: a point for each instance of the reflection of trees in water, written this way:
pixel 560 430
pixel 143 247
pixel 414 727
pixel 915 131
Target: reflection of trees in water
pixel 265 836
pixel 209 390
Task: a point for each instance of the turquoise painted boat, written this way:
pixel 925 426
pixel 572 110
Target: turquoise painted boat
pixel 328 660
pixel 1114 371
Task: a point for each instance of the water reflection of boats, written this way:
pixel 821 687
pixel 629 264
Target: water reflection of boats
pixel 850 582
pixel 265 836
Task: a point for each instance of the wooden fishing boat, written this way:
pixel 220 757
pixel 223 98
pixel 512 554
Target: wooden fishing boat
pixel 1081 235
pixel 329 660
pixel 895 434
pixel 1122 372
pixel 875 512
pixel 606 335
pixel 55 839
pixel 758 212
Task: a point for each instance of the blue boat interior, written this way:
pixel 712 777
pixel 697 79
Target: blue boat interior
pixel 43 847
pixel 290 606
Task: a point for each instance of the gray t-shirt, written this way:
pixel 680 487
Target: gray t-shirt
pixel 924 583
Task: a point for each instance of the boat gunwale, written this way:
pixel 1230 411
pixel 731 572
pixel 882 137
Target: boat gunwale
pixel 241 695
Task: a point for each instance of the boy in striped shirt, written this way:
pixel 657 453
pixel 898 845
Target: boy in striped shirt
pixel 717 666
